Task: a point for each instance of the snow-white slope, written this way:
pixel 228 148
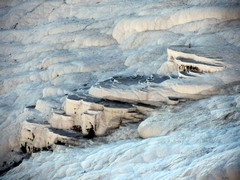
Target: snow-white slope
pixel 49 49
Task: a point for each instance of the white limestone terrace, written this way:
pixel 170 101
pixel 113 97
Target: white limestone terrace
pixel 100 116
pixel 214 71
pixel 52 49
pixel 203 144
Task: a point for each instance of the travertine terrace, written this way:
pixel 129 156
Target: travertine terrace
pixel 120 89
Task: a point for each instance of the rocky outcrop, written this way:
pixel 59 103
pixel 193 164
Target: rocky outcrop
pixel 36 137
pixel 97 114
pixel 83 115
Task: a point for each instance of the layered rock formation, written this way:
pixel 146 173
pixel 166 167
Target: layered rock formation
pixel 76 68
pixel 194 73
pixel 198 140
pixel 82 116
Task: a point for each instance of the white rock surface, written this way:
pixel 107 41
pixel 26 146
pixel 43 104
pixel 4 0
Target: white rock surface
pixel 200 141
pixel 96 114
pixel 205 71
pixel 216 111
pixel 51 49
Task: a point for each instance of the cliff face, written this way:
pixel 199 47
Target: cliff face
pixel 175 64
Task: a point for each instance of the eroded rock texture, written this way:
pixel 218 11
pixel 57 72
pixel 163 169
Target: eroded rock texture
pixel 79 68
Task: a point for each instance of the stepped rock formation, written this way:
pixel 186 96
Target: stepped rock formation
pixel 113 89
pixel 88 115
pixel 199 74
